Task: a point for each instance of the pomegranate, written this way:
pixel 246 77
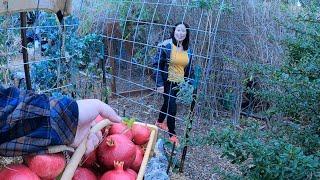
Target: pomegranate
pixel 90 160
pixel 116 147
pixel 138 160
pixel 141 134
pixel 133 173
pixel 17 172
pixel 120 128
pixel 118 173
pixel 46 166
pixel 84 174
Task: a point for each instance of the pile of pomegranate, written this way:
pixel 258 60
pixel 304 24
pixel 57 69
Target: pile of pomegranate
pixel 118 157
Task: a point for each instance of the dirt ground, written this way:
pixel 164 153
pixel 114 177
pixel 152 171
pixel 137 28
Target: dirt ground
pixel 202 162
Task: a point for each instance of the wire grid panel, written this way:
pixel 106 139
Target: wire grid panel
pixel 133 30
pixel 105 50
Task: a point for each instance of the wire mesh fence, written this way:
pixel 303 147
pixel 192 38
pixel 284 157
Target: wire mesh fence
pixel 105 49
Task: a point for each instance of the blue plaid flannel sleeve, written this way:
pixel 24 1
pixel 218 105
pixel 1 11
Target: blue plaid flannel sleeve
pixel 30 122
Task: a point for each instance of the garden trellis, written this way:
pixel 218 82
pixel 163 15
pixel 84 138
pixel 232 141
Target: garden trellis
pixel 104 50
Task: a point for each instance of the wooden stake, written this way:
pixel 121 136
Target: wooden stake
pixel 23 19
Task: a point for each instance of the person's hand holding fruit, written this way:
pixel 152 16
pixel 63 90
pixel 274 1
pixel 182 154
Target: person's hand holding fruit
pixel 89 109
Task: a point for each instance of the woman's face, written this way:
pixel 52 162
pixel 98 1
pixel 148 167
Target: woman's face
pixel 180 32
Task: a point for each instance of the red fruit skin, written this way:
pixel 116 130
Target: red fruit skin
pixel 114 175
pixel 120 128
pixel 17 172
pixel 97 171
pixel 138 160
pixel 84 174
pixel 90 160
pixel 118 174
pixel 122 150
pixel 133 173
pixel 141 134
pixel 46 166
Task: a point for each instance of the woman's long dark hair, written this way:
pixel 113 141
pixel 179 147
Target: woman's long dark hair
pixel 185 42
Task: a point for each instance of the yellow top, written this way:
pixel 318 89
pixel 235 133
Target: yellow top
pixel 179 60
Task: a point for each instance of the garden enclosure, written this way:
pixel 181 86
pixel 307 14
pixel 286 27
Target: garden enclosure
pixel 104 49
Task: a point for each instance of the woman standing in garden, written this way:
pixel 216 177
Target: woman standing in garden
pixel 172 65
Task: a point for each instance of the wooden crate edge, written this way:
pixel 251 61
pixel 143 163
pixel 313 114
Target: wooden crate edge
pixel 149 149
